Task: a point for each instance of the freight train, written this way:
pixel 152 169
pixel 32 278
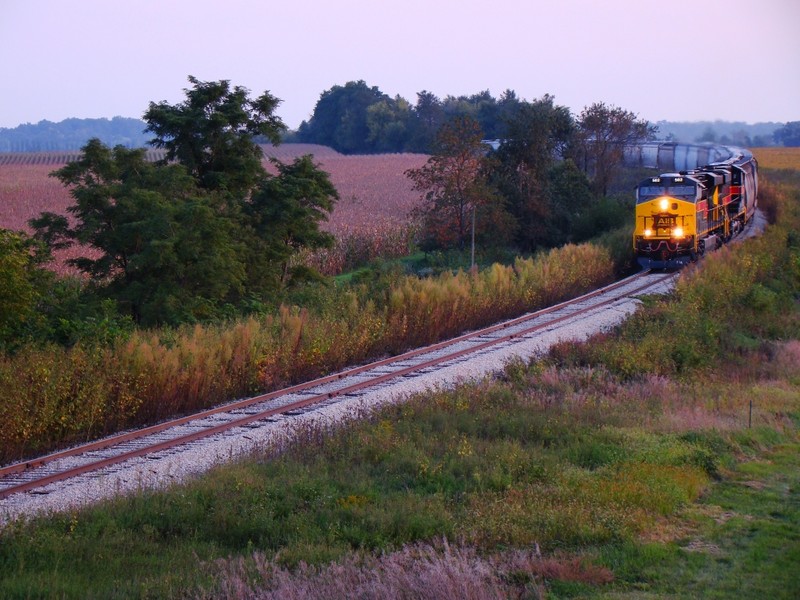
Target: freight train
pixel 681 215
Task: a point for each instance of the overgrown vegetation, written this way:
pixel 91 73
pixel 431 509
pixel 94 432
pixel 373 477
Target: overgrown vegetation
pixel 53 395
pixel 579 476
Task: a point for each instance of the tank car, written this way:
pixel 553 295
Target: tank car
pixel 682 215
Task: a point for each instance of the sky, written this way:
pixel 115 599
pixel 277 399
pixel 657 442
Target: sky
pixel 676 60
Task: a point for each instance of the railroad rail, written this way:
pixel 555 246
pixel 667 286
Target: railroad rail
pixel 35 475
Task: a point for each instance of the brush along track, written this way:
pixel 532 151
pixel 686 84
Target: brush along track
pixel 41 475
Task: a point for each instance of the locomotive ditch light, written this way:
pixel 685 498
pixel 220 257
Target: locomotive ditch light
pixel 677 232
pixel 648 233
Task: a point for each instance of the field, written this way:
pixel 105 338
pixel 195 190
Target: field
pixel 371 216
pixel 778 158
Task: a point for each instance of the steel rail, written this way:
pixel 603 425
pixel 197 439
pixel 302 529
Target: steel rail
pixel 300 404
pixel 244 403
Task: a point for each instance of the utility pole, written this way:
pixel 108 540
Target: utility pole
pixel 472 267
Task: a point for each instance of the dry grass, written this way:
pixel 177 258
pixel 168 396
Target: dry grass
pixel 432 571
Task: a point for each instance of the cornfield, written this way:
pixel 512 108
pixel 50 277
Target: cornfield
pixel 371 218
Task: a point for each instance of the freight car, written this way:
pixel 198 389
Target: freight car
pixel 682 215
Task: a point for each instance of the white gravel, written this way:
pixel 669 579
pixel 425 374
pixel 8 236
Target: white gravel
pixel 176 465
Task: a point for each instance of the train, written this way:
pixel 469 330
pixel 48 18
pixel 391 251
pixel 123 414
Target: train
pixel 683 214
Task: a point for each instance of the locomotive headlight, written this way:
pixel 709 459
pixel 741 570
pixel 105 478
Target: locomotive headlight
pixel 663 204
pixel 648 233
pixel 677 232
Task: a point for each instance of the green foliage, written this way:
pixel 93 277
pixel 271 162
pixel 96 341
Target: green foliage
pixel 603 217
pixel 357 118
pixel 211 134
pixel 22 284
pixel 537 132
pixel 204 231
pixel 166 253
pixel 570 199
pixel 391 124
pixel 341 118
pixel 285 213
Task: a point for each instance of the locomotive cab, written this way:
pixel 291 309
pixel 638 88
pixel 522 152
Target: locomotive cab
pixel 666 225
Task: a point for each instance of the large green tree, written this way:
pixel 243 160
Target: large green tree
pixel 539 133
pixel 206 229
pixel 391 125
pixel 157 244
pixel 340 118
pixel 211 134
pixel 285 213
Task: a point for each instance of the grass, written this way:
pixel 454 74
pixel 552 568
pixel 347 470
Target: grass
pixel 577 477
pixel 741 540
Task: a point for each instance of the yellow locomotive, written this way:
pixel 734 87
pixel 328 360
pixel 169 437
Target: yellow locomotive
pixel 680 216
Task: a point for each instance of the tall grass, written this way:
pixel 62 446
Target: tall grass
pixel 51 396
pixel 438 571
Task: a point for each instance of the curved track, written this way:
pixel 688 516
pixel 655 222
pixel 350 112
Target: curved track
pixel 236 418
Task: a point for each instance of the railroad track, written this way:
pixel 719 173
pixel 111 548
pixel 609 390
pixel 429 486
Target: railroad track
pixel 41 475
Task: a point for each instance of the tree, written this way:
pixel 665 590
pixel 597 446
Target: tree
pixel 429 118
pixel 454 184
pixel 789 134
pixel 211 134
pixel 286 213
pixel 570 198
pixel 183 239
pixel 605 131
pixel 390 124
pixel 163 250
pixel 538 133
pixel 340 118
pixel 22 281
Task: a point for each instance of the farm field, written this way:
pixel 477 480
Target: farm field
pixel 778 158
pixel 375 195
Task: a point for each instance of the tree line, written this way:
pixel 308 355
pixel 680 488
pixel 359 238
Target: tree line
pixel 356 118
pixel 546 184
pixel 71 134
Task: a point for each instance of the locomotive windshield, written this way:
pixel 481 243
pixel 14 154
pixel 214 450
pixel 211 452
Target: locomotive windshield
pixel 674 187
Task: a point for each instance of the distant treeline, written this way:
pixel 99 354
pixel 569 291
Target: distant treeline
pixel 733 133
pixel 72 134
pixel 359 119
